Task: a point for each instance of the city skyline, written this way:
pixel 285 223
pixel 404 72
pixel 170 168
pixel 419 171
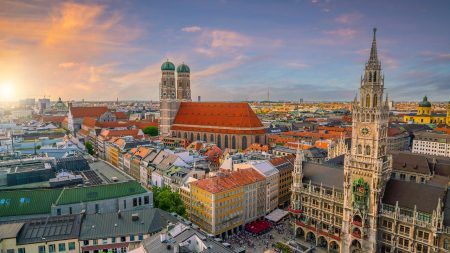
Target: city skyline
pixel 236 51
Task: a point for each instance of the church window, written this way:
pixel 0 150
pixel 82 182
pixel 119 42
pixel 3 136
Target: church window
pixel 226 141
pixel 198 136
pixel 367 100
pixel 367 150
pixel 359 149
pixel 233 142
pixel 375 100
pixel 244 142
pixel 211 138
pixel 370 76
pixel 204 138
pixel 375 76
pixel 219 141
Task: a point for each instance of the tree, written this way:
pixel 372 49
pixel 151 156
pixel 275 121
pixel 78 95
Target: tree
pixel 167 200
pixel 151 130
pixel 89 147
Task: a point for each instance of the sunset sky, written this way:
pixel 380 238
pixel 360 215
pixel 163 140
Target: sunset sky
pixel 311 49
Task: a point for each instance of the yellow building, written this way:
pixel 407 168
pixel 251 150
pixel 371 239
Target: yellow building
pixel 218 204
pixel 425 114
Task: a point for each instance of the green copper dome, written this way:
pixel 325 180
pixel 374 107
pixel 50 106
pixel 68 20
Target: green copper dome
pixel 425 102
pixel 167 66
pixel 183 68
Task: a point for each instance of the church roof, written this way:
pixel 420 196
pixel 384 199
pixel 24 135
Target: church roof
pixel 325 174
pixel 218 117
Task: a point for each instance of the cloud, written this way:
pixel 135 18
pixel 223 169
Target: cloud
pixel 343 33
pixel 297 65
pixel 191 29
pixel 348 18
pixel 67 65
pixel 219 68
pixel 219 42
pixel 435 58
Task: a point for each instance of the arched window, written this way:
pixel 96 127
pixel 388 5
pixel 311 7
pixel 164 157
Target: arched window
pixel 446 244
pixel 179 135
pixel 375 100
pixel 257 139
pixel 244 142
pixel 198 136
pixel 367 100
pixel 233 142
pixel 219 141
pixel 185 135
pixel 367 150
pixel 374 76
pixel 359 149
pixel 192 136
pixel 211 138
pixel 370 76
pixel 226 141
pixel 204 138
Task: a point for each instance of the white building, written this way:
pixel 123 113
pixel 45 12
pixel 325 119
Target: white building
pixel 432 143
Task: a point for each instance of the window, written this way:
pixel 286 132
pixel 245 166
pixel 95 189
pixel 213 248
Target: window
pixel 140 201
pixel 141 237
pixel 21 250
pixel 375 100
pixel 96 208
pixel 58 211
pixel 367 150
pixel 412 178
pixel 404 229
pixel 446 244
pixel 131 238
pixel 124 204
pixel 146 200
pixel 51 248
pixel 359 149
pixel 367 100
pixel 86 242
pixel 94 242
pixel 402 176
pixel 226 141
pixel 135 202
pixel 113 240
pixel 71 245
pixel 233 142
pixel 244 142
pixel 62 247
pixel 10 251
pixel 219 141
pixel 123 239
pixel 41 249
pixel 387 224
pixel 70 210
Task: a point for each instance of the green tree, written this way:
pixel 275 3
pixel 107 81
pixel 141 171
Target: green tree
pixel 167 200
pixel 89 147
pixel 151 130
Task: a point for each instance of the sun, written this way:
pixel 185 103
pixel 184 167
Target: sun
pixel 6 92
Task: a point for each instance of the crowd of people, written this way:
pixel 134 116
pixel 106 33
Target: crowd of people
pixel 264 240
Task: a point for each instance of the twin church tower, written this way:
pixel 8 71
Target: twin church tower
pixel 170 95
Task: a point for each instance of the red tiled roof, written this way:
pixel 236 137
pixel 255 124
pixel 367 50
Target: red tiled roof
pixel 393 131
pixel 81 112
pixel 229 180
pixel 89 122
pixel 121 115
pixel 223 117
pixel 119 133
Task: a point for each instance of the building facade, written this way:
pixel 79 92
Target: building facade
pixel 432 143
pixel 425 115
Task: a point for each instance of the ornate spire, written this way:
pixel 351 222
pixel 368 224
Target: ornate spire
pixel 373 51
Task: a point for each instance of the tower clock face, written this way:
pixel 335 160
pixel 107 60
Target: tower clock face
pixel 364 131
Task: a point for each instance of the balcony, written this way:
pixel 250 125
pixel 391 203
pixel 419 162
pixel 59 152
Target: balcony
pixel 295 211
